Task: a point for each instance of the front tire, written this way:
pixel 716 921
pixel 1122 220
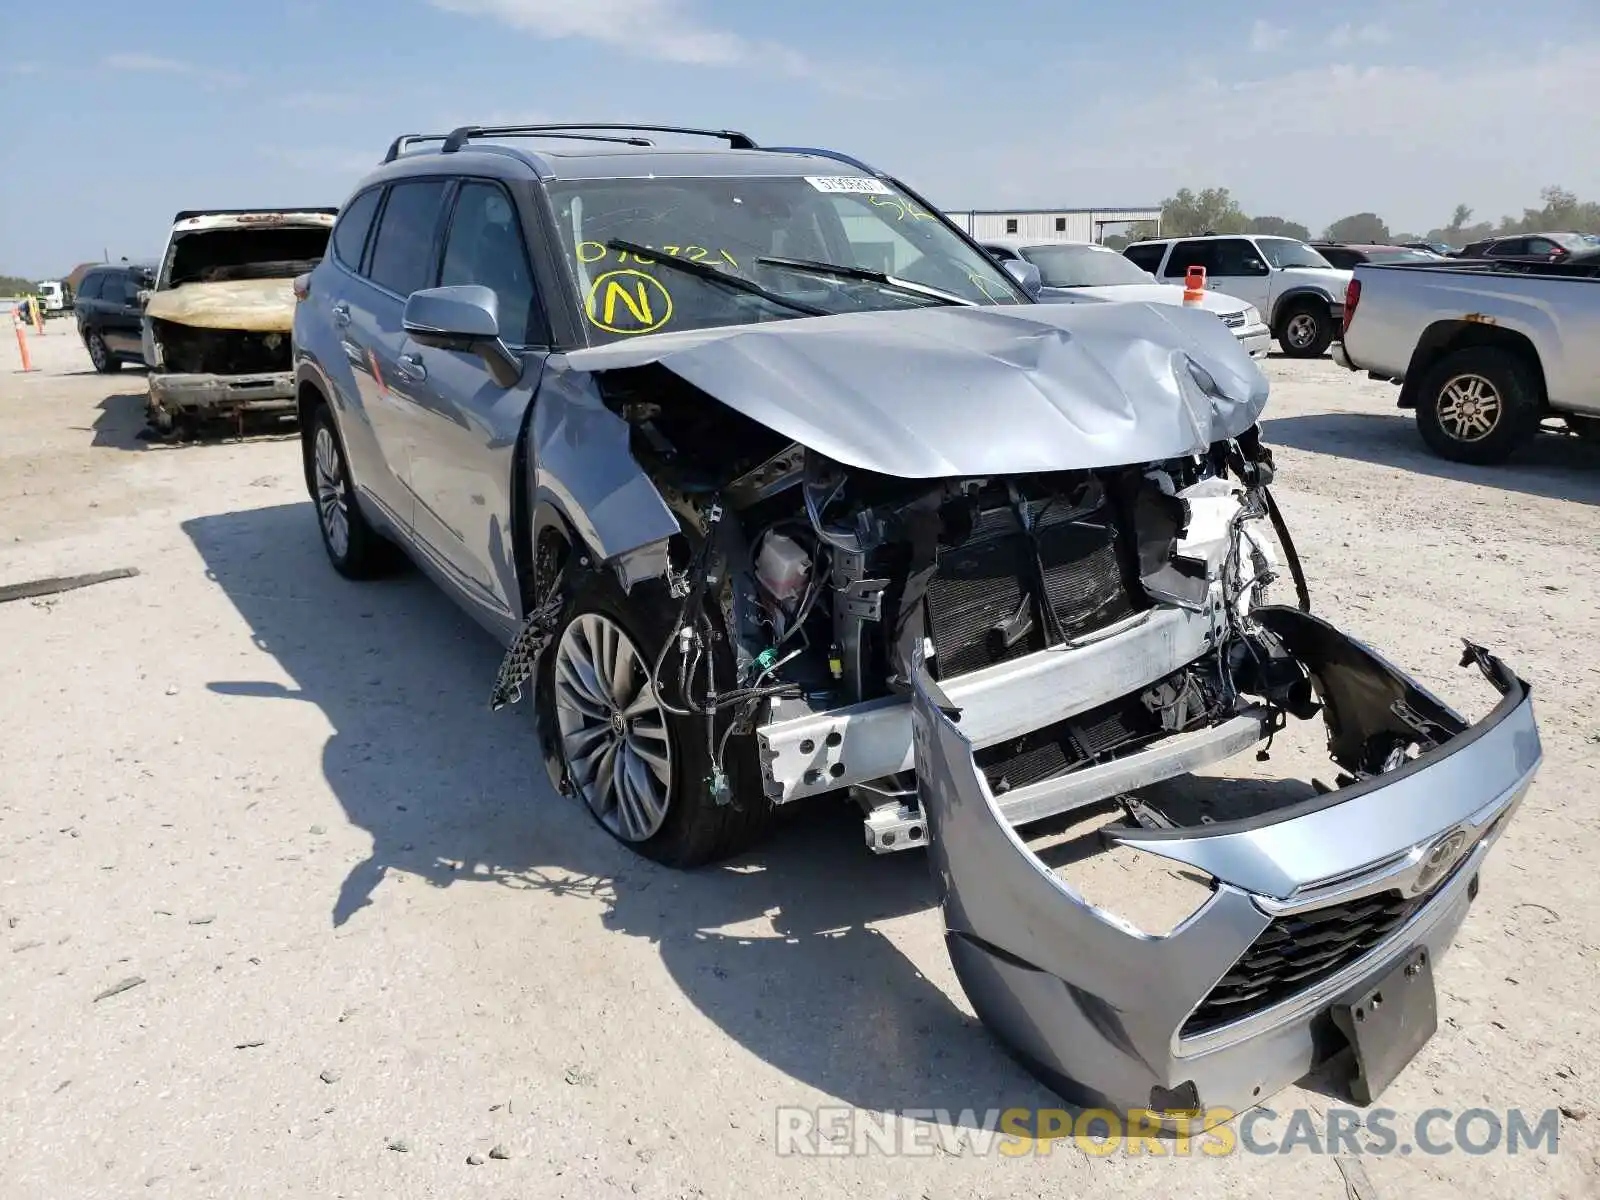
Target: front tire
pixel 1306 329
pixel 356 550
pixel 642 771
pixel 100 354
pixel 1478 406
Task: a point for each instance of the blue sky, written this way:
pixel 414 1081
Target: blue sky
pixel 117 114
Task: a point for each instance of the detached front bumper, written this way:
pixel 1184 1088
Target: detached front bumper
pixel 175 397
pixel 1312 903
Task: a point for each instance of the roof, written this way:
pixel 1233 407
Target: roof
pixel 1363 246
pixel 1063 210
pixel 142 266
pixel 511 162
pixel 1012 242
pixel 1210 237
pixel 604 151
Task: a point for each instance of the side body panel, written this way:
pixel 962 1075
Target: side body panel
pixel 1560 316
pixel 463 470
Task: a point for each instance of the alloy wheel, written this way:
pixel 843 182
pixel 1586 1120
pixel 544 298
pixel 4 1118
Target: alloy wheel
pixel 1301 330
pixel 97 351
pixel 1469 408
pixel 613 729
pixel 332 501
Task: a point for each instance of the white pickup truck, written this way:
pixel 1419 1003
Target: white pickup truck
pixel 1484 352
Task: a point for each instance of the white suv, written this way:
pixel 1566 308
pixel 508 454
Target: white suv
pixel 1301 293
pixel 1084 272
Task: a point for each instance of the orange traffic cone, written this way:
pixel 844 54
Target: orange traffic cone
pixel 1194 287
pixel 22 344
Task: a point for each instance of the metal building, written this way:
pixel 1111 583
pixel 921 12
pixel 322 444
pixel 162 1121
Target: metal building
pixel 1047 224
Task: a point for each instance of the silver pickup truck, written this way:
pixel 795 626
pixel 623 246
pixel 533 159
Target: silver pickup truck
pixel 1484 353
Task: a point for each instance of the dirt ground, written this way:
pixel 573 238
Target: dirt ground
pixel 372 943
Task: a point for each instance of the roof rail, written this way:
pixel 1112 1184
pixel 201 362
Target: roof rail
pixel 833 154
pixel 404 142
pixel 460 137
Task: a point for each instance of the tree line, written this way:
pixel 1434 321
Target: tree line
pixel 1215 210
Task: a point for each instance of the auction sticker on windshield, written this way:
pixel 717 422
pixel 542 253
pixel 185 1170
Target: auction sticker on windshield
pixel 849 184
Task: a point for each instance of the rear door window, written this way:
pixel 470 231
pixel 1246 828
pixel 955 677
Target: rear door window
pixel 350 234
pixel 1192 254
pixel 485 246
pixel 404 254
pixel 1512 246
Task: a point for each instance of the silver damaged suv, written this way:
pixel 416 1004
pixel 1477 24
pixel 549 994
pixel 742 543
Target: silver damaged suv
pixel 776 486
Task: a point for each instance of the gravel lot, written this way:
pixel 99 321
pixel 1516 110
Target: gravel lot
pixel 362 921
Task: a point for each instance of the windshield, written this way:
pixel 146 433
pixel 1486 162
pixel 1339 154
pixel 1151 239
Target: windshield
pixel 1083 266
pixel 1286 252
pixel 728 224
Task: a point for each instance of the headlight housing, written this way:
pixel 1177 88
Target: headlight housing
pixel 1252 315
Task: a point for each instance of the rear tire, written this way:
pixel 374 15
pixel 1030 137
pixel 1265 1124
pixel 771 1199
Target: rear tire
pixel 1305 329
pixel 1478 406
pixel 100 354
pixel 356 550
pixel 643 772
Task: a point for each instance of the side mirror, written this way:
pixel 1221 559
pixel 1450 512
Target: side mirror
pixel 464 318
pixel 1026 274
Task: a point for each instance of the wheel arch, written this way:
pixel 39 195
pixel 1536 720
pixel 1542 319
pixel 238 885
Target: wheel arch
pixel 1285 302
pixel 309 395
pixel 1444 338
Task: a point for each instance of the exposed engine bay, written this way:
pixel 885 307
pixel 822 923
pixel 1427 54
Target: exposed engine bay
pixel 191 350
pixel 828 579
pixel 1030 577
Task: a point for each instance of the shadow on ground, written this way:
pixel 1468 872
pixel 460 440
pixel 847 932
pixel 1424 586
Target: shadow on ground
pixel 457 795
pixel 1555 466
pixel 121 426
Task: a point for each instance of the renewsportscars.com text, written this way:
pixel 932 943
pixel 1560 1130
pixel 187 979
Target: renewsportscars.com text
pixel 1214 1133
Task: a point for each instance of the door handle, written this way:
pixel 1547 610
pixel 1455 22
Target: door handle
pixel 411 366
pixel 341 314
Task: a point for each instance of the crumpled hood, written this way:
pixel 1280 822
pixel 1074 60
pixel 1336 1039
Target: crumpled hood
pixel 936 392
pixel 1143 293
pixel 251 305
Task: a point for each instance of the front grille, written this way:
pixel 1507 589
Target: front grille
pixel 1298 952
pixel 1233 320
pixel 982 585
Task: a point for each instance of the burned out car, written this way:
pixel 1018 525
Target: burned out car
pixel 777 487
pixel 217 322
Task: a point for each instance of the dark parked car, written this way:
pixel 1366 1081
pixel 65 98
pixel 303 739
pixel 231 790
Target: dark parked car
pixel 1529 247
pixel 109 314
pixel 1348 255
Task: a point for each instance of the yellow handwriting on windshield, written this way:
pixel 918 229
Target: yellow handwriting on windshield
pixel 590 253
pixel 902 208
pixel 629 302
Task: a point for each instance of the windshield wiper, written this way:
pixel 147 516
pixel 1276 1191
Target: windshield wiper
pixel 881 278
pixel 737 282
